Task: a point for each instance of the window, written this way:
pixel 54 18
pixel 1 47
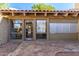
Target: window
pixel 63 27
pixel 73 27
pixel 41 26
pixel 41 29
pixel 16 29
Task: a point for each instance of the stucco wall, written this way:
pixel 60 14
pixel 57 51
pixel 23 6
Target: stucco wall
pixel 76 6
pixel 4 30
pixel 64 36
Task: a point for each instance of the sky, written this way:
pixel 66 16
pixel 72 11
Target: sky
pixel 28 6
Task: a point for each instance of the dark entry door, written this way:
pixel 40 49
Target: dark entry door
pixel 28 30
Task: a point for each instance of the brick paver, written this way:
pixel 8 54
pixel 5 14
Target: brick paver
pixel 5 49
pixel 40 48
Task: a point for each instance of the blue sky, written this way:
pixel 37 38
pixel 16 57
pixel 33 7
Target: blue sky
pixel 28 6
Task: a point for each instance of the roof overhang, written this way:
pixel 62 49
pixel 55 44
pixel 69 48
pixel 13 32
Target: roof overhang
pixel 44 12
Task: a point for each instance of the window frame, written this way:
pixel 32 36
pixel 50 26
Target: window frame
pixel 61 27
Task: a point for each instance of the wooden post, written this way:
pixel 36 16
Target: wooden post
pixel 23 29
pixel 66 14
pixel 56 14
pixel 78 28
pixel 75 15
pixel 12 13
pixel 34 29
pixel 47 29
pixel 9 30
pixel 45 14
pixel 35 14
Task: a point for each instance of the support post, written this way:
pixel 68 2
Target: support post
pixel 78 28
pixel 23 29
pixel 34 29
pixel 9 29
pixel 47 29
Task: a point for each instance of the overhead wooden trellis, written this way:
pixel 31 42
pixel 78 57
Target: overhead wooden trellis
pixel 45 12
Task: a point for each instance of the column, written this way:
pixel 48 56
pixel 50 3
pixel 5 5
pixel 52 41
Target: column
pixel 47 29
pixel 4 27
pixel 78 28
pixel 34 29
pixel 23 29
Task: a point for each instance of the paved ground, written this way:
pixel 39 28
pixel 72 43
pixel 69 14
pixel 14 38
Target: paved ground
pixel 37 48
pixel 5 49
pixel 40 48
pixel 46 48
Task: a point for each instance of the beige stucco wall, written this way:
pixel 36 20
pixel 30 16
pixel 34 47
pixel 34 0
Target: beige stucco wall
pixel 76 6
pixel 4 30
pixel 63 36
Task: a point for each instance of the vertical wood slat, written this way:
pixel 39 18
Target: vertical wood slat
pixel 24 13
pixel 76 14
pixel 45 14
pixel 48 29
pixel 12 13
pixel 34 29
pixel 23 29
pixel 56 14
pixel 78 28
pixel 35 14
pixel 9 30
pixel 66 14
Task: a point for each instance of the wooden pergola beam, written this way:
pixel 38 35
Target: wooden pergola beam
pixel 35 14
pixel 55 14
pixel 12 13
pixel 45 14
pixel 66 14
pixel 24 14
pixel 75 14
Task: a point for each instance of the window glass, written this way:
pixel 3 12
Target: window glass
pixel 17 25
pixel 41 26
pixel 16 29
pixel 73 27
pixel 63 27
pixel 66 27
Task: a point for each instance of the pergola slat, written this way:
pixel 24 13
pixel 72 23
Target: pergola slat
pixel 45 14
pixel 75 14
pixel 12 13
pixel 35 14
pixel 55 12
pixel 66 14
